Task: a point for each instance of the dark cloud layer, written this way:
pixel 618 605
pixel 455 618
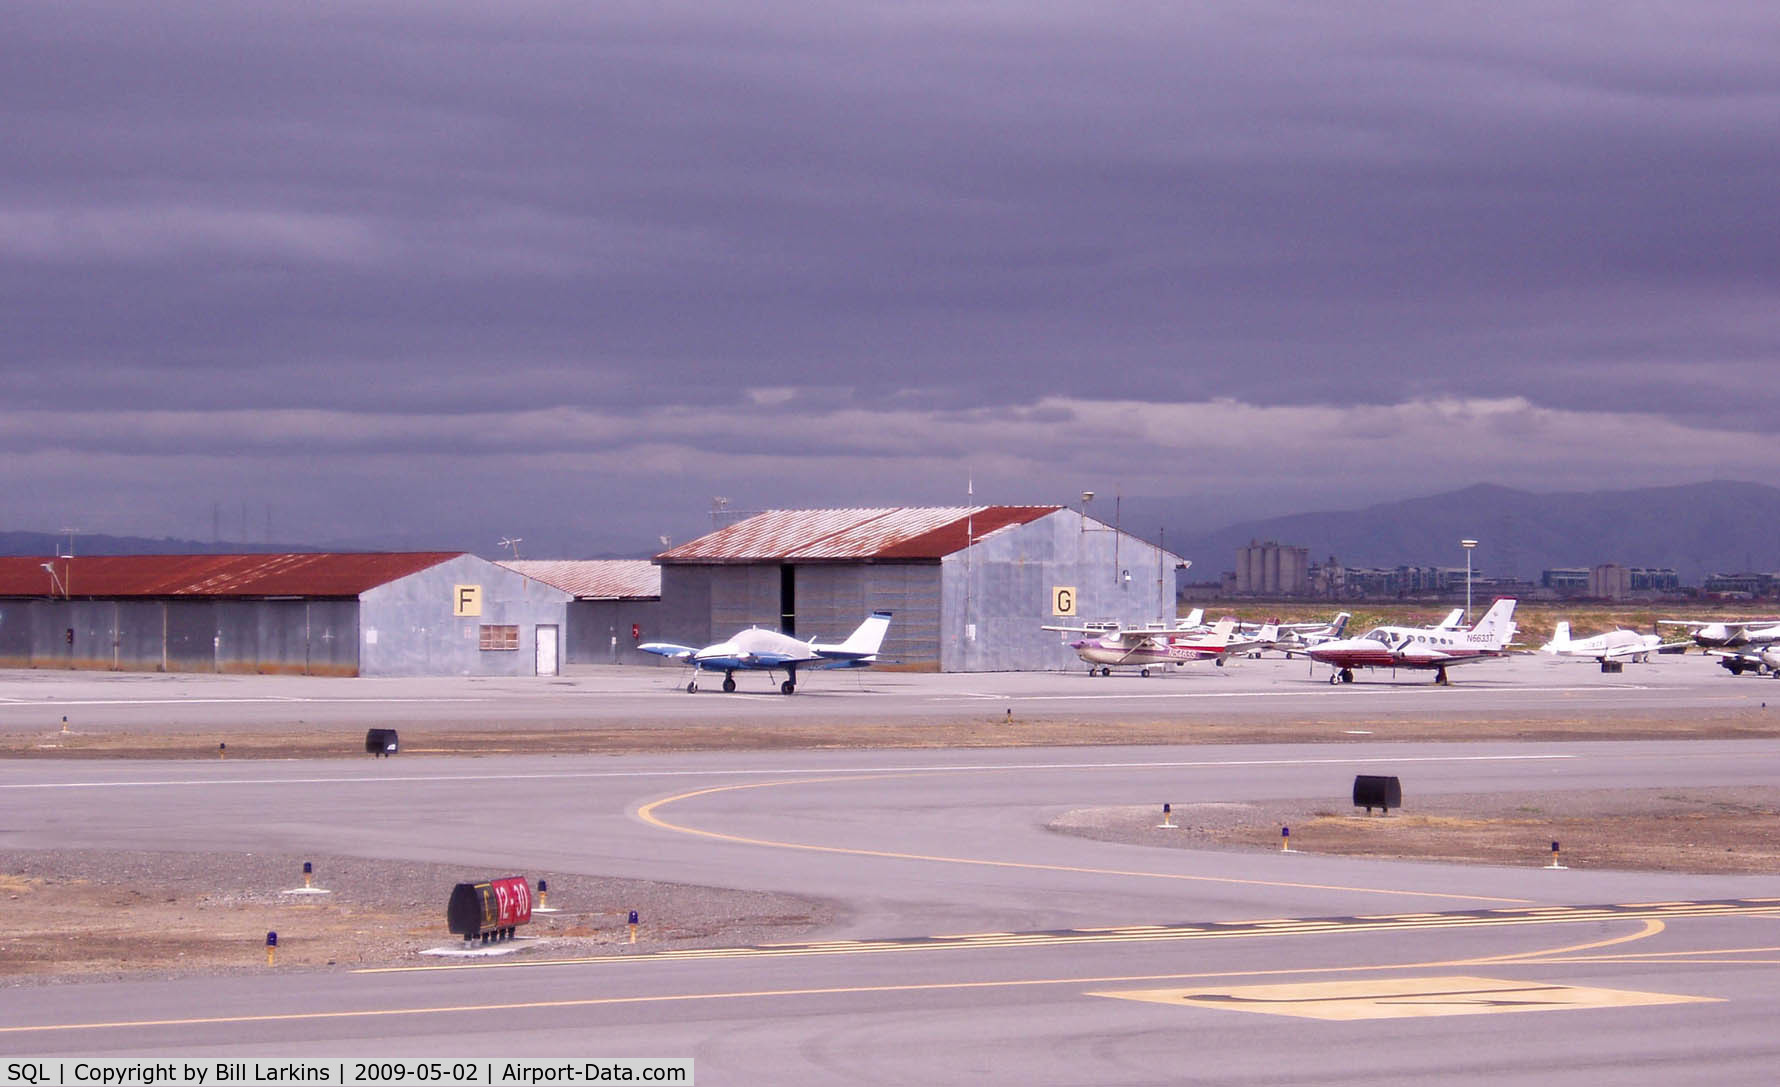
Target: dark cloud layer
pixel 245 243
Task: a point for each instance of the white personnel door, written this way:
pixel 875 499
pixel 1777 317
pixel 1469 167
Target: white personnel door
pixel 546 651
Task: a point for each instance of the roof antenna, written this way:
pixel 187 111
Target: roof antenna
pixel 512 542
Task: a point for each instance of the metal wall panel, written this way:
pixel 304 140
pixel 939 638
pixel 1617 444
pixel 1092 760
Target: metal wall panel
pixel 833 599
pixel 407 627
pixel 599 631
pixel 1004 587
pixel 742 597
pixel 685 606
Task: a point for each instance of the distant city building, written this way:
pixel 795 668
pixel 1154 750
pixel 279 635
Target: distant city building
pixel 1748 584
pixel 1566 580
pixel 1655 579
pixel 1609 581
pixel 1272 569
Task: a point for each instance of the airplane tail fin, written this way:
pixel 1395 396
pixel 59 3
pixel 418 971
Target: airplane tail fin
pixel 865 641
pixel 1497 625
pixel 1561 636
pixel 1224 628
pixel 1339 626
pixel 1194 618
pixel 1454 618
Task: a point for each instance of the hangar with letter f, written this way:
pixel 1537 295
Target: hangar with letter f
pixel 410 613
pixel 969 586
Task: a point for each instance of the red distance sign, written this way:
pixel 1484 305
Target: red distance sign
pixel 512 901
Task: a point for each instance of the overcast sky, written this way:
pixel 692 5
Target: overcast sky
pixel 437 273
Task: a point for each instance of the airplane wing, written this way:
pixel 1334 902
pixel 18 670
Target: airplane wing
pixel 668 649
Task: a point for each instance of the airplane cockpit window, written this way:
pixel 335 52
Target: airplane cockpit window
pixel 1379 634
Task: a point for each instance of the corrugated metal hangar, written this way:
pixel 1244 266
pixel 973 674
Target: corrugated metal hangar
pixel 970 586
pixel 426 613
pixel 616 605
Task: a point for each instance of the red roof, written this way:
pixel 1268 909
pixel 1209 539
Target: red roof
pixel 593 579
pixel 211 575
pixel 857 534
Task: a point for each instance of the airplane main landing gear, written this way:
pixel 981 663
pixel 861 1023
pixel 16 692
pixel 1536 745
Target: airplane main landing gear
pixel 692 687
pixel 1144 672
pixel 1345 675
pixel 788 687
pixel 729 683
pixel 1440 678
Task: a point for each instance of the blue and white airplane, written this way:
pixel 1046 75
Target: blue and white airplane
pixel 760 650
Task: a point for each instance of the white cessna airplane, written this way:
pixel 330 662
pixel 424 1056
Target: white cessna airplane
pixel 760 650
pixel 1430 648
pixel 1725 634
pixel 1612 647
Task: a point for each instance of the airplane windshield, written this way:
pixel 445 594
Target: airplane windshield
pixel 1379 634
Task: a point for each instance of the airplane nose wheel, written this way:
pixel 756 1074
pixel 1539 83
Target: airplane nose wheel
pixel 692 687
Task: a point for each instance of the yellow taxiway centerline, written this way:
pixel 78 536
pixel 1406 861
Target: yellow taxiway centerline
pixel 647 813
pixel 1650 928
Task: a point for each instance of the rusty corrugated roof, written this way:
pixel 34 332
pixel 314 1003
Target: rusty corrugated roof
pixel 594 579
pixel 332 575
pixel 855 534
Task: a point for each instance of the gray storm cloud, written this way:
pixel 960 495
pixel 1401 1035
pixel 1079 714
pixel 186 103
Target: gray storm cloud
pixel 655 248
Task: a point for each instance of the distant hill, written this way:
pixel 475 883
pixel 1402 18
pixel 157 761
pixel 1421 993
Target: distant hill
pixel 1698 529
pixel 54 543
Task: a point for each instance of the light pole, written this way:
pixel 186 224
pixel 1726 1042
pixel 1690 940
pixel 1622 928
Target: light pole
pixel 1469 546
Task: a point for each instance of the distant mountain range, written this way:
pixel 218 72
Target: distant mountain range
pixel 56 543
pixel 1697 529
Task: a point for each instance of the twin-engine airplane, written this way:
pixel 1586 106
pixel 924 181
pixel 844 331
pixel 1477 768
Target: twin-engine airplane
pixel 1144 648
pixel 759 650
pixel 1612 647
pixel 1432 648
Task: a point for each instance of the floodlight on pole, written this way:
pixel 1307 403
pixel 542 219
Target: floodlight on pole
pixel 1469 546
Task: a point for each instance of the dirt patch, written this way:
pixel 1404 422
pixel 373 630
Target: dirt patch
pixel 1712 831
pixel 92 914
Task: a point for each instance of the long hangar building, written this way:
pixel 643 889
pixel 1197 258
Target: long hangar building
pixel 970 586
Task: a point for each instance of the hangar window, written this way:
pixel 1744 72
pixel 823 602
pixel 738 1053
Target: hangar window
pixel 499 637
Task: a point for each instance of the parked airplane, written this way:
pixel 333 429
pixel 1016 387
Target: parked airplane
pixel 1612 648
pixel 1420 647
pixel 1146 647
pixel 1720 634
pixel 759 650
pixel 1762 659
pixel 1295 638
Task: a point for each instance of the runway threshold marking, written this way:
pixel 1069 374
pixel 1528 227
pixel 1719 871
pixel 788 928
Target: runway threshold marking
pixel 647 813
pixel 1650 928
pixel 1145 934
pixel 1403 998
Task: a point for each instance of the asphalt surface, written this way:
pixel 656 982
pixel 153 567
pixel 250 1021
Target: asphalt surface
pixel 644 697
pixel 973 945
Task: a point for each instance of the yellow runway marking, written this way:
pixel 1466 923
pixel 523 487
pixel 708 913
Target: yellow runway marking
pixel 647 813
pixel 1650 929
pixel 1075 937
pixel 1403 998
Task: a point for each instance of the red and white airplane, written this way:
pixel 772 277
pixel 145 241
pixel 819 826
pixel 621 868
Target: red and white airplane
pixel 1146 647
pixel 1427 648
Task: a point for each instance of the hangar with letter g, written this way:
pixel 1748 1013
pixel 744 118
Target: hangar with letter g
pixel 969 586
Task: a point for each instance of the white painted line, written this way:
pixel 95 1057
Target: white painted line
pixel 782 772
pixel 1348 691
pixel 265 700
